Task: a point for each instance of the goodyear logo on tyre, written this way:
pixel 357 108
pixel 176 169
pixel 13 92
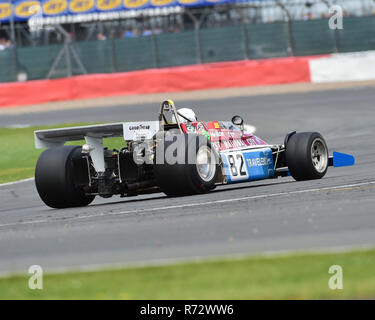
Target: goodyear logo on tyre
pixel 79 6
pixel 5 10
pixel 133 4
pixel 27 9
pixel 158 3
pixel 108 4
pixel 53 7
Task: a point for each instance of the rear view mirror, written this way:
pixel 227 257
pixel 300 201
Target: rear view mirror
pixel 237 120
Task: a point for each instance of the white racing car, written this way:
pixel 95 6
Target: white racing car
pixel 177 154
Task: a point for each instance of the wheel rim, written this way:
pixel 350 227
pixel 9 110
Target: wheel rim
pixel 319 155
pixel 206 164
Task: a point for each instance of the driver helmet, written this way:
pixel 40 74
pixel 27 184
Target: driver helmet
pixel 185 115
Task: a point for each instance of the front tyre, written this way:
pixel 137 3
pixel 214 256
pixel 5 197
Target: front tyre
pixel 56 174
pixel 307 156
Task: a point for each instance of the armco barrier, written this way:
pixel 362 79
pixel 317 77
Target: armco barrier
pixel 206 76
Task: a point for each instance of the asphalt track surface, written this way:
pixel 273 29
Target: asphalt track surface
pixel 262 216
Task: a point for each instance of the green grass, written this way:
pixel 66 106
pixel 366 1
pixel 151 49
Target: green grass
pixel 298 276
pixel 18 154
pixel 291 277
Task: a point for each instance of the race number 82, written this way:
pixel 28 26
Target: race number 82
pixel 237 166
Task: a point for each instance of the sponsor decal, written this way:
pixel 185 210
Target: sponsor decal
pixel 27 9
pixel 188 1
pixel 132 4
pixel 190 128
pixel 200 127
pixel 232 144
pixel 254 141
pixel 202 130
pixel 79 6
pixel 54 7
pixel 206 134
pixel 213 125
pixel 137 130
pixel 229 139
pixel 225 134
pixel 139 127
pixel 158 3
pixel 108 4
pixel 258 162
pixel 5 10
pixel 251 142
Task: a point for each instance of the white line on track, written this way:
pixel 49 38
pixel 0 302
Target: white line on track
pixel 16 182
pixel 199 259
pixel 189 205
pixel 262 196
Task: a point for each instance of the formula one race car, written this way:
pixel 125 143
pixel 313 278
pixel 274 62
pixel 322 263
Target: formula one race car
pixel 177 154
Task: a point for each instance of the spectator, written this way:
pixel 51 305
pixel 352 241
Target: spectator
pixel 146 32
pixel 101 36
pixel 307 16
pixel 128 34
pixel 158 31
pixel 135 32
pixel 5 44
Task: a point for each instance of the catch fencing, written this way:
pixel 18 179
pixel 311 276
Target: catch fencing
pixel 187 47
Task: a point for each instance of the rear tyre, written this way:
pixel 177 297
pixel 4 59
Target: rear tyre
pixel 56 175
pixel 307 156
pixel 189 178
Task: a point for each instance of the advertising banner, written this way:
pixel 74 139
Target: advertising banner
pixel 23 10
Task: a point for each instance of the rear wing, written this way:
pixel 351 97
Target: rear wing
pixel 58 137
pixel 130 131
pixel 94 134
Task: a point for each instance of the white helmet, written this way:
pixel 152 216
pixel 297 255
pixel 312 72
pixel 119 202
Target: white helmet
pixel 185 115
